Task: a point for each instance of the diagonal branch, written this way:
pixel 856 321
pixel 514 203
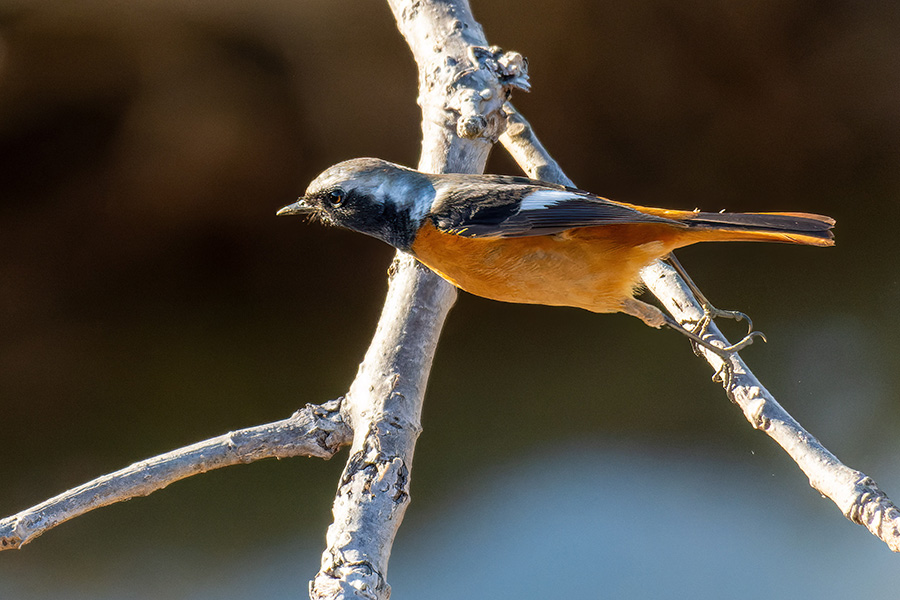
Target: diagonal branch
pixel 463 85
pixel 856 495
pixel 317 431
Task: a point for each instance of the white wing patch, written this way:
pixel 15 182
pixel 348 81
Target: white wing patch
pixel 545 199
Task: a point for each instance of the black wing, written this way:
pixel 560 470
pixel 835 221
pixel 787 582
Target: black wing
pixel 500 206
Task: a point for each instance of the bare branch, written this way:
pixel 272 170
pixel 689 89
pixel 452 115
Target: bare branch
pixel 462 88
pixel 385 405
pixel 317 431
pixel 856 494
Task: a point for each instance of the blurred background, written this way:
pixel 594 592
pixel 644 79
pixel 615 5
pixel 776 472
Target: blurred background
pixel 149 298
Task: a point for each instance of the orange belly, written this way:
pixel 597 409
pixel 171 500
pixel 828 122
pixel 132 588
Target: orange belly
pixel 594 268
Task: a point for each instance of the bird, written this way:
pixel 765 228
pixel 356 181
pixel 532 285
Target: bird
pixel 521 240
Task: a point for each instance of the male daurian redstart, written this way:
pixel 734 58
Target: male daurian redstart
pixel 520 240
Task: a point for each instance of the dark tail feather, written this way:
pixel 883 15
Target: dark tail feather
pixel 793 228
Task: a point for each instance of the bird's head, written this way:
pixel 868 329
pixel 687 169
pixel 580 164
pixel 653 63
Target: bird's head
pixel 371 196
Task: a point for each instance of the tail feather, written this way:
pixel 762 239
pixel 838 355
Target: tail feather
pixel 793 228
pixel 799 222
pixel 788 227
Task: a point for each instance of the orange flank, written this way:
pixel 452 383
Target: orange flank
pixel 595 268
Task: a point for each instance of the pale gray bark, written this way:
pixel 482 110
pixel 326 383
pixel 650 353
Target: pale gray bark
pixel 463 85
pixel 462 88
pixel 856 495
pixel 312 431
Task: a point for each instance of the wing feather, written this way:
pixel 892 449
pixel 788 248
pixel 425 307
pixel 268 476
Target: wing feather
pixel 518 207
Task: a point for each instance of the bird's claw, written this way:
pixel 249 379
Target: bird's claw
pixel 698 333
pixel 714 313
pixel 710 313
pixel 746 341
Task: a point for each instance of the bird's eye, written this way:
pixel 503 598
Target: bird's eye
pixel 335 197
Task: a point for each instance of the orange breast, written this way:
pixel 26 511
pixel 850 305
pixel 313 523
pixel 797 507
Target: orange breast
pixel 594 268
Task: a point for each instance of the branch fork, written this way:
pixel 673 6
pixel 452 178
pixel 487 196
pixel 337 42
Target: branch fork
pixel 480 109
pixel 464 86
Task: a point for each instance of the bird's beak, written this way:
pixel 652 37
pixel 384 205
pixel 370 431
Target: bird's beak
pixel 300 207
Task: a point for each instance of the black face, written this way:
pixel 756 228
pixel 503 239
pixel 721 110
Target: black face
pixel 360 212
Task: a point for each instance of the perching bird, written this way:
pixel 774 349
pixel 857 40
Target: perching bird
pixel 519 240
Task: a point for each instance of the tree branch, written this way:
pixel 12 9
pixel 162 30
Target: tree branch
pixel 462 88
pixel 463 85
pixel 385 406
pixel 856 495
pixel 317 431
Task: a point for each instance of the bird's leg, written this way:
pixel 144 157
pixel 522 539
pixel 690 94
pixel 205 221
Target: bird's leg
pixel 647 313
pixel 654 317
pixel 710 311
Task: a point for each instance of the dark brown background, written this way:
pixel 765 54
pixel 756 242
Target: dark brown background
pixel 149 298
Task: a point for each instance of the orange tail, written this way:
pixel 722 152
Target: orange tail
pixel 788 227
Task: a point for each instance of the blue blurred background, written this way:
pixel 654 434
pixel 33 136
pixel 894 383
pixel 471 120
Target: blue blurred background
pixel 149 298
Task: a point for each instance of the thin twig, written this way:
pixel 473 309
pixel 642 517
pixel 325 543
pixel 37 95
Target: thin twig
pixel 856 495
pixel 317 431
